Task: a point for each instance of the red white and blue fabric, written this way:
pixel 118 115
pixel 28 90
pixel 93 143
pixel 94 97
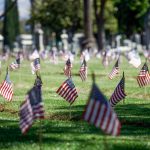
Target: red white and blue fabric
pixel 119 93
pixel 99 112
pixel 15 65
pixel 114 71
pixel 6 88
pixel 83 71
pixel 35 66
pixel 31 109
pixel 143 78
pixel 68 91
pixel 67 69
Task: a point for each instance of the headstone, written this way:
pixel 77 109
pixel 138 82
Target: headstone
pixel 118 40
pixel 39 43
pixel 64 38
pixel 1 42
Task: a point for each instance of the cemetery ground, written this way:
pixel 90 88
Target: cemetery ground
pixel 61 131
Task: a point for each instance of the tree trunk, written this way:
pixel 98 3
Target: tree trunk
pixel 32 10
pixel 88 30
pixel 11 24
pixel 99 15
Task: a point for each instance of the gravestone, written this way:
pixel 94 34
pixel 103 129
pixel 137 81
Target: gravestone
pixel 64 39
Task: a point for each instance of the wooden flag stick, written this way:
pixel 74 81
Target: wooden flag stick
pixel 105 142
pixel 19 76
pixel 93 77
pixel 40 135
pixel 70 111
pixel 145 91
pixel 3 106
pixel 123 101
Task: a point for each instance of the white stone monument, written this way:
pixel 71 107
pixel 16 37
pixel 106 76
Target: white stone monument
pixel 64 38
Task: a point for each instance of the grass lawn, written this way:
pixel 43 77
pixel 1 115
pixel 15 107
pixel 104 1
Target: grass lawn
pixel 59 130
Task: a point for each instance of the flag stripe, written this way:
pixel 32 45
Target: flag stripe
pixel 99 112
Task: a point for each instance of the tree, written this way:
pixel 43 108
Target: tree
pixel 88 28
pixel 130 15
pixel 99 15
pixel 56 18
pixel 10 24
pixel 72 15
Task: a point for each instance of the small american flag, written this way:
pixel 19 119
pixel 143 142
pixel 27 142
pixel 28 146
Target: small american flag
pixel 143 78
pixel 15 65
pixel 35 66
pixel 67 69
pixel 99 112
pixel 119 93
pixel 83 71
pixel 6 89
pixel 114 71
pixel 68 91
pixel 31 109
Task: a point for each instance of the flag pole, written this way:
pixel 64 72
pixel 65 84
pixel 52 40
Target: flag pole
pixel 70 111
pixel 4 104
pixel 70 106
pixel 145 91
pixel 123 101
pixel 40 134
pixel 105 142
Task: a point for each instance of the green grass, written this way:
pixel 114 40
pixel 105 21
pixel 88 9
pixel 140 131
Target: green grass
pixel 59 131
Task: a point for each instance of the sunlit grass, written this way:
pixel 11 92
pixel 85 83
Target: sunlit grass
pixel 59 130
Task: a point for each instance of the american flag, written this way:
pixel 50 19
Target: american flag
pixel 143 78
pixel 99 112
pixel 83 71
pixel 68 91
pixel 6 88
pixel 114 71
pixel 119 93
pixel 31 109
pixel 35 66
pixel 15 64
pixel 67 69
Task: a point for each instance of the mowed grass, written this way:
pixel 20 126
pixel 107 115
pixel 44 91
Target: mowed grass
pixel 62 131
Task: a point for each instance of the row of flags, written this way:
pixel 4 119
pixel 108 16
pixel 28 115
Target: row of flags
pixel 82 71
pixel 98 111
pixel 143 77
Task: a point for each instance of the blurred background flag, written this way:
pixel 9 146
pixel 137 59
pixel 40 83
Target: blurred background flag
pixel 83 71
pixel 99 112
pixel 119 93
pixel 67 69
pixel 15 64
pixel 32 108
pixel 6 89
pixel 143 78
pixel 68 91
pixel 35 65
pixel 115 70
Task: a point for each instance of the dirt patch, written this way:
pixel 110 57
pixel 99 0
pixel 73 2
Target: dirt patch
pixel 4 109
pixel 138 123
pixel 64 117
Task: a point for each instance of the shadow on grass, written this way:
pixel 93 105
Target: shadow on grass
pixel 10 134
pixel 130 115
pixel 60 128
